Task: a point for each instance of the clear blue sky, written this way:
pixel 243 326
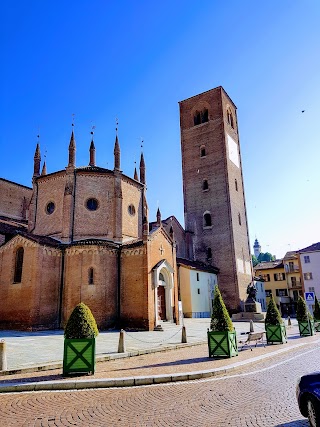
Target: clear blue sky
pixel 136 60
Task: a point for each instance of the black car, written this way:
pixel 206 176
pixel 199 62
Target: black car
pixel 308 396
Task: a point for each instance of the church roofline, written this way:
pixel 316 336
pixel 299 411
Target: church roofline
pixel 89 169
pixel 15 183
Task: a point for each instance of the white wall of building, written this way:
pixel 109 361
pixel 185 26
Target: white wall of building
pixel 310 263
pixel 201 288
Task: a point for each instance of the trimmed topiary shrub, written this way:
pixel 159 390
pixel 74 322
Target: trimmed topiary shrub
pixel 316 311
pixel 302 311
pixel 220 319
pixel 273 316
pixel 81 323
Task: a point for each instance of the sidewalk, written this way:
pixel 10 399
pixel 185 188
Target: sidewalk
pixel 159 363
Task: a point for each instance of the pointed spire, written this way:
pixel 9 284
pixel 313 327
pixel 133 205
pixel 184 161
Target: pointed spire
pixel 72 150
pixel 158 217
pixel 37 160
pixel 142 170
pixel 116 150
pixel 135 176
pixel 92 150
pixel 44 169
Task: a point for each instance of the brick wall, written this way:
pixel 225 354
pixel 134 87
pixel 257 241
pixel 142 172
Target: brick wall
pixel 12 203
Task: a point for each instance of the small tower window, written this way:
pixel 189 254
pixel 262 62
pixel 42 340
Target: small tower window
pixel 198 277
pixel 202 151
pixel 236 184
pixel 91 276
pixel 207 220
pixel 131 210
pixel 18 265
pixel 239 218
pixel 205 185
pixel 209 254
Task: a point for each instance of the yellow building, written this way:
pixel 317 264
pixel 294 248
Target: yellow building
pixel 274 275
pixel 293 275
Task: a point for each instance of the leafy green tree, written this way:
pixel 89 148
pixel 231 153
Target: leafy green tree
pixel 254 260
pixel 266 257
pixel 303 314
pixel 81 323
pixel 220 319
pixel 316 311
pixel 273 316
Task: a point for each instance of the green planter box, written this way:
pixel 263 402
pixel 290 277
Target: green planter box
pixel 306 329
pixel 317 325
pixel 276 333
pixel 222 344
pixel 79 356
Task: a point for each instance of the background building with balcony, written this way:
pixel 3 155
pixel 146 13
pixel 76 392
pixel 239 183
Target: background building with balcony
pixel 275 283
pixel 293 275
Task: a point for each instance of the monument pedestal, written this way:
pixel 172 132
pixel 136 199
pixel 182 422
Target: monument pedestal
pixel 252 311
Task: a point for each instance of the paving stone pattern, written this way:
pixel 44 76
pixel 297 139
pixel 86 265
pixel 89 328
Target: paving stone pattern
pixel 256 395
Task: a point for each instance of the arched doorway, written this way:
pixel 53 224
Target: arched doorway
pixel 162 303
pixel 163 292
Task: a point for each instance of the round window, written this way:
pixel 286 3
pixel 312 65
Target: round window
pixel 50 208
pixel 92 204
pixel 131 210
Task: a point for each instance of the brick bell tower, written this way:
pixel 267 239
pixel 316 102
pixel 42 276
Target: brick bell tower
pixel 214 201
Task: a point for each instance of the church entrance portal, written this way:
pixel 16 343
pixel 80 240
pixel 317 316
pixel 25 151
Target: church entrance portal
pixel 162 303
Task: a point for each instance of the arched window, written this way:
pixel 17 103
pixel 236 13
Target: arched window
pixel 197 118
pixel 236 184
pixel 91 276
pixel 207 220
pixel 205 185
pixel 204 116
pixel 202 151
pixel 161 277
pixel 209 254
pixel 18 265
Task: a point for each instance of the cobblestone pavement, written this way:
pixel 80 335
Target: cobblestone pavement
pixel 257 395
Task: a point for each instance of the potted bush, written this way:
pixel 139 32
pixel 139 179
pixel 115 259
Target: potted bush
pixel 305 320
pixel 275 328
pixel 79 341
pixel 316 314
pixel 222 339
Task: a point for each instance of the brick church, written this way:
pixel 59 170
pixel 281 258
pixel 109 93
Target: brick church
pixel 83 233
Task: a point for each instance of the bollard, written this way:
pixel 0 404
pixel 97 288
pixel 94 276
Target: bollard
pixel 251 326
pixel 289 321
pixel 3 356
pixel 184 335
pixel 121 345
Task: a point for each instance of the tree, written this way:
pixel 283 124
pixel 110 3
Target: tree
pixel 273 316
pixel 266 257
pixel 303 314
pixel 81 323
pixel 220 319
pixel 316 311
pixel 254 260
